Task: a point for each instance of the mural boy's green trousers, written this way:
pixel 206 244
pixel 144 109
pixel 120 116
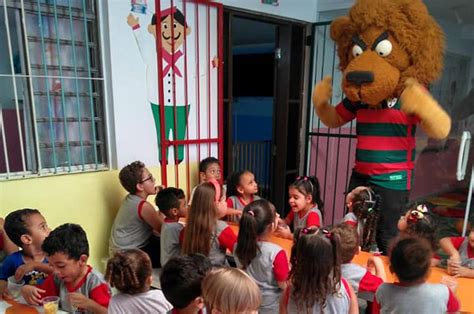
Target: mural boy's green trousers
pixel 178 134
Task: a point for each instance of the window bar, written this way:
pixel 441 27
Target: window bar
pixel 30 82
pixel 314 116
pixel 52 136
pixel 220 89
pixel 186 110
pixel 53 77
pixel 91 101
pixel 319 120
pixel 198 93
pixel 161 97
pixel 173 89
pixel 329 139
pixel 63 99
pixel 208 69
pixel 76 83
pixel 4 140
pixel 10 50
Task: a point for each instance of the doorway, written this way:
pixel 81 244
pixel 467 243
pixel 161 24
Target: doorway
pixel 263 99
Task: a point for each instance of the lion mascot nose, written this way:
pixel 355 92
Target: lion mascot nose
pixel 360 77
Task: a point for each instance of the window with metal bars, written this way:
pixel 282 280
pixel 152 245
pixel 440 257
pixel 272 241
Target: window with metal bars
pixel 51 88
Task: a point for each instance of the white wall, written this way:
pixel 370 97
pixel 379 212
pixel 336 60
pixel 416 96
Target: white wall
pixel 304 10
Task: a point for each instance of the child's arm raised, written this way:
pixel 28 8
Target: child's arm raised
pixel 151 216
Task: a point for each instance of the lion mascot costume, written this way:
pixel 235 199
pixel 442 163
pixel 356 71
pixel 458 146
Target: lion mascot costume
pixel 389 52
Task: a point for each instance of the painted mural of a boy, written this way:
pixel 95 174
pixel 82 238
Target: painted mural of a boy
pixel 173 31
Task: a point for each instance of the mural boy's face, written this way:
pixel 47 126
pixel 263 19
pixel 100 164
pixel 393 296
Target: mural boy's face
pixel 167 29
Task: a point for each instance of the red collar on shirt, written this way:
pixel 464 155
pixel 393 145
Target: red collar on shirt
pixel 83 280
pixel 242 201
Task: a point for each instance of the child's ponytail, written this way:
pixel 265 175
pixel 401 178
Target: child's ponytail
pixel 336 251
pixel 128 271
pixel 256 217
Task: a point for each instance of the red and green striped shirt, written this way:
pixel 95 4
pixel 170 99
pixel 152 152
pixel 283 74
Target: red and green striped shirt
pixel 385 143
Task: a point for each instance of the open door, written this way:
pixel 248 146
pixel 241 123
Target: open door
pixel 263 91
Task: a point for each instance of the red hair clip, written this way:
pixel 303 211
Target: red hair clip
pixel 251 213
pixel 217 187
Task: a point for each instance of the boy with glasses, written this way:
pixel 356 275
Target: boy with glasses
pixel 137 219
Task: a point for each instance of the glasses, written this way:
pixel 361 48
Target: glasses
pixel 150 177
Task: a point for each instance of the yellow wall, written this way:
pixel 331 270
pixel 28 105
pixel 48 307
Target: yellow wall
pixel 89 199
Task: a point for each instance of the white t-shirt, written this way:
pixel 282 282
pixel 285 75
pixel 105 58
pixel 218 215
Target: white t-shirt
pixel 152 301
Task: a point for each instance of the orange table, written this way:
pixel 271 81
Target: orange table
pixel 464 291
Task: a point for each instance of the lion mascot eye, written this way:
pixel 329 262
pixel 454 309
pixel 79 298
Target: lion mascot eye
pixel 357 51
pixel 383 48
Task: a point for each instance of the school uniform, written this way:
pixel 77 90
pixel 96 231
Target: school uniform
pixel 337 303
pixel 151 301
pixel 169 240
pixel 269 267
pixel 237 202
pixel 312 217
pixel 466 252
pixel 419 299
pixel 222 239
pixel 92 286
pixel 363 282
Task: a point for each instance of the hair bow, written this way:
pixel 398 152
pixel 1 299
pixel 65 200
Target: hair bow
pixel 327 233
pixel 418 213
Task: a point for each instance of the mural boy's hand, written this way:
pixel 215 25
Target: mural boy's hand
pixel 132 21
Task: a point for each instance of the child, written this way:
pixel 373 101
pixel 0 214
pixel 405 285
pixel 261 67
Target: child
pixel 306 206
pixel 229 290
pixel 363 282
pixel 264 261
pixel 410 261
pixel 181 281
pixel 204 232
pixel 363 204
pixel 76 283
pixel 418 221
pixel 241 190
pixel 136 219
pixel 315 283
pixel 209 169
pixel 130 272
pixel 27 228
pixel 461 252
pixel 172 203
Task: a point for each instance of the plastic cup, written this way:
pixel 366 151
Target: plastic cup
pixel 50 305
pixel 14 287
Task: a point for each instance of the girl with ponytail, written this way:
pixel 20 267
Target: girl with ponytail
pixel 265 262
